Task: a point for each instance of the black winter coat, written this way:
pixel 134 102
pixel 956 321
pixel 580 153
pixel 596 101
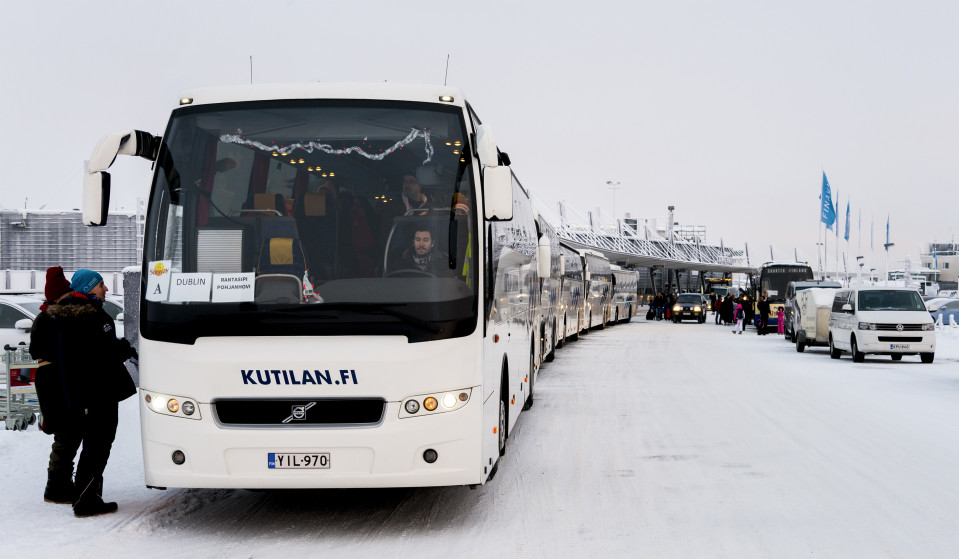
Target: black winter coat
pixel 86 368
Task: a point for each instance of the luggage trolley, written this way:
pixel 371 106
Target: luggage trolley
pixel 20 407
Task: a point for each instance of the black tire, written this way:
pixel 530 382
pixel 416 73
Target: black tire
pixel 503 429
pixel 857 356
pixel 552 352
pixel 800 347
pixel 927 357
pixel 896 356
pixel 528 404
pixel 542 345
pixel 833 352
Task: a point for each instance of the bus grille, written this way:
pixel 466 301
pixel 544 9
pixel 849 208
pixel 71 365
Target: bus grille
pixel 901 339
pixel 298 412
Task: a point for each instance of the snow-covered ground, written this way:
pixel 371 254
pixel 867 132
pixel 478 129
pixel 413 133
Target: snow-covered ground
pixel 649 439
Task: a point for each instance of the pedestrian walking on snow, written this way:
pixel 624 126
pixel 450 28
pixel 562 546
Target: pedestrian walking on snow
pixel 77 339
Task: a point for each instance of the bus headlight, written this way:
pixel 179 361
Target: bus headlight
pixel 867 326
pixel 430 404
pixel 930 326
pixel 177 406
pixel 449 401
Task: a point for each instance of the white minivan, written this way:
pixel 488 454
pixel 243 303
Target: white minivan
pixel 882 321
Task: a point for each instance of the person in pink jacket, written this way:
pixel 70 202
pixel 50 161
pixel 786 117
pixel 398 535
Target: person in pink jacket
pixel 739 315
pixel 781 321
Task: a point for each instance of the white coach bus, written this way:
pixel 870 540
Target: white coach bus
pixel 336 292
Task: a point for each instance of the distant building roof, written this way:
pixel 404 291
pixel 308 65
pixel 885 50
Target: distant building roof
pixel 38 239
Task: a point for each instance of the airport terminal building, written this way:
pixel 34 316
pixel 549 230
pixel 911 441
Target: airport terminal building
pixel 33 240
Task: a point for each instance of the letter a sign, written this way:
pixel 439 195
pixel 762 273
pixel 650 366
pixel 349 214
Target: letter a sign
pixel 158 280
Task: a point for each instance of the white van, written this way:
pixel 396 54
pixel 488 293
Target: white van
pixel 882 321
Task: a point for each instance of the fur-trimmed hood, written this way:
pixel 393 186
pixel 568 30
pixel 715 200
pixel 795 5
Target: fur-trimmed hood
pixel 72 309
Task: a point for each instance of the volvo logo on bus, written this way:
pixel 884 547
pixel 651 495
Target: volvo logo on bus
pixel 299 412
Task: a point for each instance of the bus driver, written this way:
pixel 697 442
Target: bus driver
pixel 422 254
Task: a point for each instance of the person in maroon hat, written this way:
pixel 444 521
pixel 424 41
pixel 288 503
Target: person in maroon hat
pixel 82 386
pixel 59 487
pixel 57 287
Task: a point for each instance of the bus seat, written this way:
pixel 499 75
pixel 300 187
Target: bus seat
pixel 266 202
pixel 277 288
pixel 315 215
pixel 281 255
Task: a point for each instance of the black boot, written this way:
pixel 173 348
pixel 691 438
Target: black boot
pixel 89 502
pixel 59 488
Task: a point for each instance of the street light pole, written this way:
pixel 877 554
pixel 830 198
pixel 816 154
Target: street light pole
pixel 614 186
pixel 886 262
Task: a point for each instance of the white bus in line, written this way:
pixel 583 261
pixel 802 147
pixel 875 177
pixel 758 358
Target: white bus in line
pixel 338 288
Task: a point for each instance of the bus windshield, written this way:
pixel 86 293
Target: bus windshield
pixel 311 217
pixel 774 278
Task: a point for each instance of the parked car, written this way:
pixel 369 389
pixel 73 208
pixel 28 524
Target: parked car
pixel 789 304
pixel 945 308
pixel 882 321
pixel 114 307
pixel 813 307
pixel 689 306
pixel 17 313
pixel 16 318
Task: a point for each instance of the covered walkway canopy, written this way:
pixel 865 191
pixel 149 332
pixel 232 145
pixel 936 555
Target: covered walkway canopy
pixel 646 249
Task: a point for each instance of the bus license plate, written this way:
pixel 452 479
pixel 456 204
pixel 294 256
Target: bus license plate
pixel 298 461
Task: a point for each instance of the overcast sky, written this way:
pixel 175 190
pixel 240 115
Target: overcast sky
pixel 730 111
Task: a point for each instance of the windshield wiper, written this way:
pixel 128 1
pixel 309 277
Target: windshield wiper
pixel 366 308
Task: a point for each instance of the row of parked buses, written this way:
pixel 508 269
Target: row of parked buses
pixel 342 286
pixel 583 291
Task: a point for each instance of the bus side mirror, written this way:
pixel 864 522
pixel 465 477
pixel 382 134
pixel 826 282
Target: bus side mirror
pixel 96 181
pixel 543 258
pixel 486 146
pixel 847 307
pixel 498 193
pixel 96 198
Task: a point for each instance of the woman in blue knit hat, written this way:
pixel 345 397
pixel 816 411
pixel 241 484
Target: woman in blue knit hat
pixel 79 340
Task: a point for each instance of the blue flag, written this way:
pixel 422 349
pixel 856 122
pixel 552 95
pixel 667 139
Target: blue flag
pixel 887 230
pixel 835 212
pixel 827 213
pixel 847 220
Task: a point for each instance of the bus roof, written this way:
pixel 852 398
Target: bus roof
pixel 425 93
